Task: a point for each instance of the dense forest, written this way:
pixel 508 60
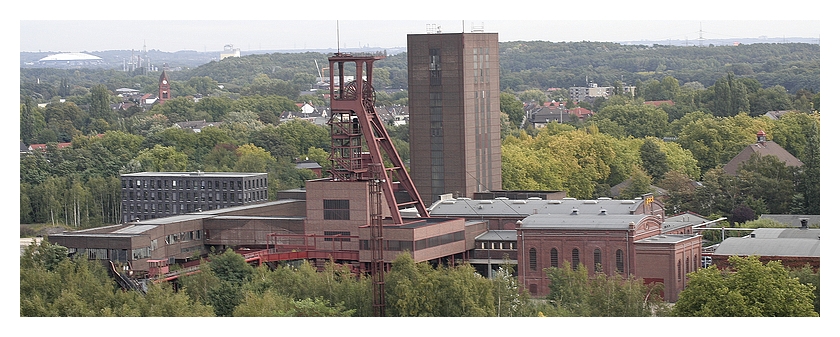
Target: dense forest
pixel 51 284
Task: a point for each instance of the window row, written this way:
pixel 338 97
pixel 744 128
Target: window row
pixel 399 245
pixel 496 245
pixel 183 236
pixel 194 184
pixel 575 259
pixel 195 196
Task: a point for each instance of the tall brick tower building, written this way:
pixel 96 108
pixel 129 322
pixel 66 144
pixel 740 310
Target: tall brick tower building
pixel 453 81
pixel 163 87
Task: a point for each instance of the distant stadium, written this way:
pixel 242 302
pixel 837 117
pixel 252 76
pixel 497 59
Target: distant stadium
pixel 70 60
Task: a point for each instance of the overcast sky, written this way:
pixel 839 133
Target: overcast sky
pixel 275 25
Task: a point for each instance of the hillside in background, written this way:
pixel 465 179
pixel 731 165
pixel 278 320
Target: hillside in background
pixel 524 65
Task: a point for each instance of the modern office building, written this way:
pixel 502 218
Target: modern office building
pixel 455 111
pixel 149 195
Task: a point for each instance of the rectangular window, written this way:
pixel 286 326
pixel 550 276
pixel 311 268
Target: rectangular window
pixel 336 233
pixel 336 209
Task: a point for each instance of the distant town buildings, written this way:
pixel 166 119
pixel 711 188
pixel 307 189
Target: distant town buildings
pixel 592 91
pixel 229 51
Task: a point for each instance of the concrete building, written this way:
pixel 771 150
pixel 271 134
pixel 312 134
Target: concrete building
pixel 149 195
pixel 181 238
pixel 455 111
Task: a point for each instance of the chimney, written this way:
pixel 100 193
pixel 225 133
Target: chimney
pixel 804 222
pixel 761 137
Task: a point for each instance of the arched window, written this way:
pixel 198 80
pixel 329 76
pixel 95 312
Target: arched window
pixel 619 261
pixel 532 257
pixel 687 265
pixel 554 259
pixel 596 257
pixel 679 270
pixel 575 258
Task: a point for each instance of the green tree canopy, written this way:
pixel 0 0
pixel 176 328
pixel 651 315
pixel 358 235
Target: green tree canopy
pixel 750 289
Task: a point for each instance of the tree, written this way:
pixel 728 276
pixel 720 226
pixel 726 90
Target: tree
pixel 574 291
pixel 513 107
pixel 31 121
pixel 750 289
pixel 162 159
pixel 654 161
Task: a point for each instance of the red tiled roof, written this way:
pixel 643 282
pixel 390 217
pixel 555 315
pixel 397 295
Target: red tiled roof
pixel 658 103
pixel 43 147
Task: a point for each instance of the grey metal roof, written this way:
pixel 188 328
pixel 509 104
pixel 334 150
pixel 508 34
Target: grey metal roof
pixel 592 222
pixel 793 219
pixel 497 235
pixel 683 220
pixel 134 229
pixel 666 238
pixel 786 233
pixel 769 247
pixel 522 208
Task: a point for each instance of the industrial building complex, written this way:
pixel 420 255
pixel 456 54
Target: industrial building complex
pixel 450 210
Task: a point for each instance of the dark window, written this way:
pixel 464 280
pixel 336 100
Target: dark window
pixel 575 258
pixel 596 256
pixel 532 258
pixel 554 260
pixel 619 261
pixel 336 209
pixel 334 233
pixel 679 270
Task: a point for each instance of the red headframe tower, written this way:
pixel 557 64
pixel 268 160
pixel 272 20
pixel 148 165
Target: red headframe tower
pixel 352 120
pixel 375 160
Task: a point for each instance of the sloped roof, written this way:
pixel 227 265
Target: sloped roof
pixel 768 148
pixel 769 247
pixel 682 220
pixel 521 208
pixel 589 222
pixel 793 220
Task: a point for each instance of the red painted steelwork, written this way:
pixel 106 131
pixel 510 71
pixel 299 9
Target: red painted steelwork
pixel 353 116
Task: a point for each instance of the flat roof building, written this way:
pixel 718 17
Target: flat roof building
pixel 149 195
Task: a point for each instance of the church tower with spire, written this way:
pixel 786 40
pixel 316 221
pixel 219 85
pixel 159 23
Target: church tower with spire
pixel 163 87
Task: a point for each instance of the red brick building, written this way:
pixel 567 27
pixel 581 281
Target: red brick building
pixel 625 244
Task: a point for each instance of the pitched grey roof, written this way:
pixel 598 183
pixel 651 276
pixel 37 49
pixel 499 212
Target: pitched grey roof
pixel 682 220
pixel 768 148
pixel 666 238
pixel 769 247
pixel 793 220
pixel 786 233
pixel 591 222
pixel 523 208
pixel 497 235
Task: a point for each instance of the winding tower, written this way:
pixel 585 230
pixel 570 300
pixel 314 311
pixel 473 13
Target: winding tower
pixel 361 150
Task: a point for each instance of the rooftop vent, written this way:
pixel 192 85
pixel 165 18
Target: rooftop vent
pixel 804 223
pixel 603 212
pixel 590 201
pixel 574 211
